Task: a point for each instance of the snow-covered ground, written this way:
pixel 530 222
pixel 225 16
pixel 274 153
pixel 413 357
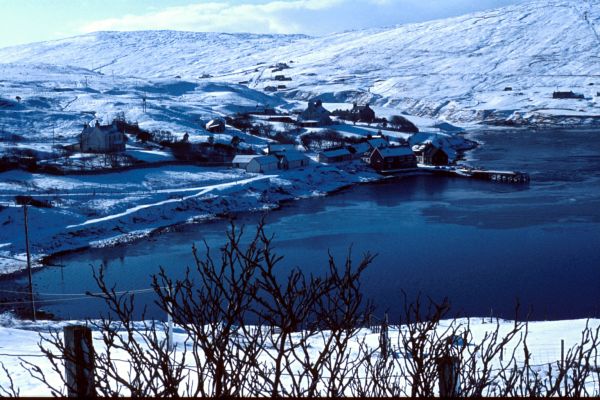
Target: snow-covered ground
pixel 110 208
pixel 19 341
pixel 455 68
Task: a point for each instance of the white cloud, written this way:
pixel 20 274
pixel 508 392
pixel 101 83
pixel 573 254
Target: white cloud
pixel 296 16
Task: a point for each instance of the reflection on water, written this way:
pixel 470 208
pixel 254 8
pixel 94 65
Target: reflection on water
pixel 481 244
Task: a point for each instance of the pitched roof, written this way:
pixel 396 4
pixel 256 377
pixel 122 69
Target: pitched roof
pixel 244 158
pixel 395 151
pixel 293 156
pixel 336 153
pixel 264 160
pixel 378 142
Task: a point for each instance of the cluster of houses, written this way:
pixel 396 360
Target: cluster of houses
pixel 384 156
pixel 278 156
pixel 378 152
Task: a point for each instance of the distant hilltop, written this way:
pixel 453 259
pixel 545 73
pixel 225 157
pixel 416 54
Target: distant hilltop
pixel 483 66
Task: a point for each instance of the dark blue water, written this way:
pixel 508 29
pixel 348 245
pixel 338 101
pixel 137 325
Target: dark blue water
pixel 483 245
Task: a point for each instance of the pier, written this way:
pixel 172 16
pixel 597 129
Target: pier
pixel 501 176
pixel 479 173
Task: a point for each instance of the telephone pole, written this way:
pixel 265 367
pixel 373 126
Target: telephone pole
pixel 29 262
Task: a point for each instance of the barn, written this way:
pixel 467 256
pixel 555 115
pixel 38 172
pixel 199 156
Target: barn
pixel 262 164
pixel 293 159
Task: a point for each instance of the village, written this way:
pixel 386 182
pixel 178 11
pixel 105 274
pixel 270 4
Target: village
pixel 285 141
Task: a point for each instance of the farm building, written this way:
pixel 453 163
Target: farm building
pixel 334 156
pixel 102 138
pixel 274 149
pixel 216 125
pixel 429 154
pixel 567 95
pixel 392 158
pixel 293 159
pixel 242 160
pixel 315 112
pixel 263 164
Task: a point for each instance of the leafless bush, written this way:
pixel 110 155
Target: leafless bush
pixel 250 330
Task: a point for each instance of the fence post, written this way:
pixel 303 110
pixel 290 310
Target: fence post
pixel 562 364
pixel 449 373
pixel 170 322
pixel 383 337
pixel 79 361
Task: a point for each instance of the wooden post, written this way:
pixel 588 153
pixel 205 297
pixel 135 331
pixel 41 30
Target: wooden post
pixel 383 337
pixel 449 373
pixel 169 323
pixel 562 364
pixel 29 262
pixel 79 361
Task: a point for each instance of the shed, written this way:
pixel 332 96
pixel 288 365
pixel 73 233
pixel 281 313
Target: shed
pixel 293 159
pixel 263 164
pixel 242 160
pixel 392 158
pixel 334 156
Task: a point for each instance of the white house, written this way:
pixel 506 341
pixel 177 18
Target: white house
pixel 293 159
pixel 263 164
pixel 102 138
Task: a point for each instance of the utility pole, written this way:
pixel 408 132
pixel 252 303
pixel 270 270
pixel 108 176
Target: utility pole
pixel 170 321
pixel 29 262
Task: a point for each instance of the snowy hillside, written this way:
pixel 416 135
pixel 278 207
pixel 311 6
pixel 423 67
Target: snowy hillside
pixel 455 68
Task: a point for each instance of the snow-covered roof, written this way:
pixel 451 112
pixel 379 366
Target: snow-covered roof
pixel 244 158
pixel 377 142
pixel 264 160
pixel 336 153
pixel 361 147
pixel 280 147
pixel 395 151
pixel 293 156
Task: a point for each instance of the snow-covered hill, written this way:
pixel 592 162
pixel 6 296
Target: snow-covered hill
pixel 455 68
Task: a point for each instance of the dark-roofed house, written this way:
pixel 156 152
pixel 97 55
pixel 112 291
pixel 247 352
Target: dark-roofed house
pixel 334 156
pixel 429 154
pixel 315 112
pixel 292 159
pixel 362 113
pixel 392 158
pixel 262 164
pixel 102 139
pixel 216 125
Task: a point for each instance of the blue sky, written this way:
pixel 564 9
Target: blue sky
pixel 25 21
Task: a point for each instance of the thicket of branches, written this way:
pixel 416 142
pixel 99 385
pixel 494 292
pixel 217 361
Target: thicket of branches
pixel 249 332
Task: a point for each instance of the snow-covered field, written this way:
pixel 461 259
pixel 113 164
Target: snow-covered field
pixel 455 68
pixel 19 341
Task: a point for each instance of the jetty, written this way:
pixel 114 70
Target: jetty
pixel 478 173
